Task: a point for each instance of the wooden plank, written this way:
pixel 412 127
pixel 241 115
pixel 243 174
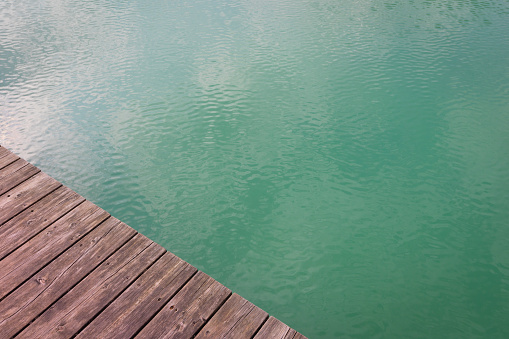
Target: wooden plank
pixel 25 194
pixel 299 336
pixel 76 308
pixel 3 151
pixel 22 306
pixel 144 298
pixel 6 157
pixel 275 329
pixel 15 173
pixel 292 334
pixel 188 310
pixel 44 247
pixel 272 329
pixel 31 221
pixel 237 318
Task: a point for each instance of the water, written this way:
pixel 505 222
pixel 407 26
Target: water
pixel 342 164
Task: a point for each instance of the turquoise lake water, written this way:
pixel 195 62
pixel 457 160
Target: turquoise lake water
pixel 344 165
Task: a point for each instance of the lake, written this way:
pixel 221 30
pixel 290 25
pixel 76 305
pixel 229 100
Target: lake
pixel 344 165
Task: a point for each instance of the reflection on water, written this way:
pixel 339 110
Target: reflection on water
pixel 343 165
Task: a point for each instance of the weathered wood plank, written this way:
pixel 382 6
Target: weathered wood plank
pixel 15 173
pixel 292 334
pixel 23 305
pixel 6 157
pixel 25 194
pixel 31 221
pixel 41 249
pixel 188 310
pixel 3 151
pixel 237 318
pixel 273 329
pixel 138 304
pixel 70 313
pixel 298 336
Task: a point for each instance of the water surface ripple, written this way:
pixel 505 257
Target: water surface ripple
pixel 342 164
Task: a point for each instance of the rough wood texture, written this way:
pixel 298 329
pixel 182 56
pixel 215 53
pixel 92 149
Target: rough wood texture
pixel 24 195
pixel 142 300
pixel 68 269
pixel 22 306
pixel 292 334
pixel 6 157
pixel 273 329
pixel 237 318
pixel 85 300
pixel 188 310
pixel 15 173
pixel 40 250
pixel 32 220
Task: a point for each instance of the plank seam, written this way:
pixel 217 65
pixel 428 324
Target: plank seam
pixel 162 306
pixel 42 230
pixel 8 163
pixel 118 295
pixel 242 317
pixel 109 277
pixel 62 273
pixel 35 202
pixel 212 315
pixel 288 331
pixel 5 155
pixel 19 169
pixel 56 256
pixel 73 286
pixel 261 325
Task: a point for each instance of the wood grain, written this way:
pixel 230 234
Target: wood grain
pixel 44 247
pixel 25 194
pixel 273 329
pixel 142 300
pixel 6 157
pixel 33 220
pixel 76 308
pixel 237 318
pixel 45 287
pixel 15 173
pixel 188 310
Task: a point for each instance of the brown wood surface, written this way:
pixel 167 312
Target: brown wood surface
pixel 6 157
pixel 273 329
pixel 45 287
pixel 69 269
pixel 70 313
pixel 298 335
pixel 25 194
pixel 292 334
pixel 15 173
pixel 188 310
pixel 41 249
pixel 3 151
pixel 36 218
pixel 237 318
pixel 142 300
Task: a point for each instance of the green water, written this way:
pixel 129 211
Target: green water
pixel 344 165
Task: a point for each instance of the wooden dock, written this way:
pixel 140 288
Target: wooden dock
pixel 69 269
